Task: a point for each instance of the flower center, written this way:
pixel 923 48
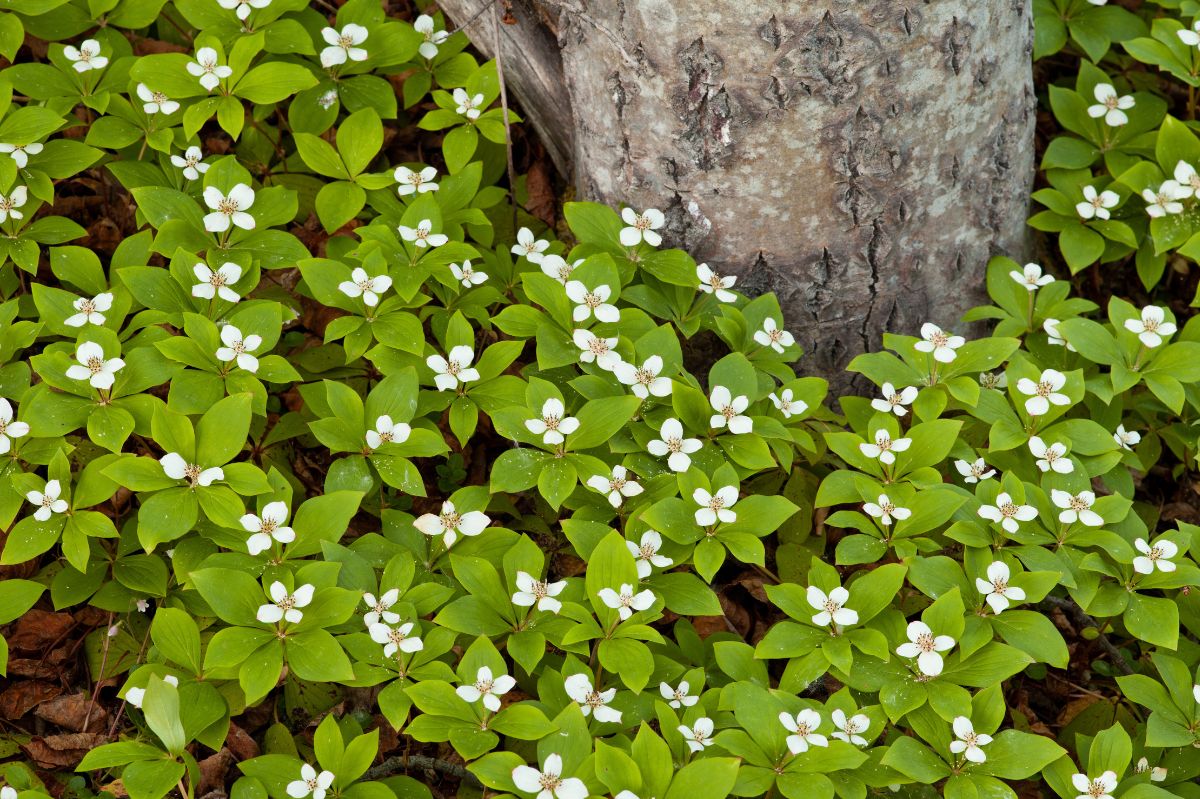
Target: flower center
pixel 87 307
pixel 47 500
pixel 852 727
pixel 884 442
pixel 598 346
pixel 1044 389
pixel 1155 553
pixel 453 368
pixel 716 282
pixel 396 637
pixel 616 483
pixel 728 412
pixel 699 736
pixel 1111 101
pixel 831 606
pixel 312 784
pixel 85 54
pixel 802 730
pixel 287 603
pixel 564 272
pixel 1000 586
pixel 925 642
pixel 345 41
pixel 3 427
pixel 594 700
pixel 238 347
pixel 208 66
pixel 647 551
pixel 551 422
pixel 6 204
pixel 386 437
pixel 775 335
pixel 1008 510
pixel 422 233
pixel 716 503
pixel 549 782
pixel 450 519
pixel 484 686
pixel 227 205
pixel 939 339
pixel 1150 325
pixel 95 365
pixel 1079 504
pixel 269 525
pixel 217 280
pixel 887 508
pixel 970 739
pixel 642 223
pixel 590 300
pixel 1162 198
pixel 673 445
pixel 1096 788
pixel 539 590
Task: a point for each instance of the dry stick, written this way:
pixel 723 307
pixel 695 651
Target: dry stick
pixel 404 762
pixel 1081 619
pixel 87 717
pixel 508 149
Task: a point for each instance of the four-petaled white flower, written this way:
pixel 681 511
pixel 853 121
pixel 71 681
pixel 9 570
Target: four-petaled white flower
pixel 554 423
pixel 974 472
pixel 1166 200
pixel 996 589
pixel 467 104
pixel 591 702
pixel 597 350
pixel 49 501
pixel 1095 204
pixel 455 368
pixel 831 608
pixel 885 447
pixel 8 428
pixel 310 783
pixel 486 687
pixel 1007 513
pixel 617 487
pixel 422 235
pixel 467 275
pixel 216 283
pixel 1126 439
pixel 787 405
pixel 591 302
pixel 238 348
pixel 86 56
pixel 450 523
pixel 1152 327
pixel 11 202
pixel 387 432
pixel 1043 393
pixel 554 266
pixel 729 410
pixel 849 728
pixel 396 639
pixel 363 285
pixel 641 227
pixel 175 467
pixel 938 342
pixel 136 696
pixel 284 606
pixel 715 507
pixel 671 442
pixel 679 697
pixel 267 527
pixel 894 401
pixel 1054 337
pixel 1154 557
pixel 1190 37
pixel 20 153
pixel 773 336
pixel 644 379
pixel 93 367
pixel 343 45
pixel 1099 788
pixel 155 102
pixel 1051 456
pixel 885 510
pixel 925 647
pixel 1110 105
pixel 228 208
pixel 625 602
pixel 1031 277
pixel 645 553
pixel 379 610
pixel 242 9
pixel 712 283
pixel 698 736
pixel 968 741
pixel 413 182
pixel 531 247
pixel 541 592
pixel 1077 507
pixel 206 68
pixel 432 38
pixel 192 164
pixel 549 783
pixel 89 311
pixel 802 727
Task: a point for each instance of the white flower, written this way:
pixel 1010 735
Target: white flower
pixel 468 105
pixel 216 284
pixel 831 608
pixel 412 182
pixel 925 646
pixel 715 507
pixel 1190 37
pixel 1152 327
pixel 310 781
pixel 885 447
pixel 594 349
pixel 192 164
pixel 974 472
pixel 1076 508
pixel 343 45
pixel 1157 774
pixel 363 285
pixel 1044 392
pixel 645 554
pixel 554 266
pixel 487 688
pixel 591 701
pixel 20 152
pixel 238 348
pixel 1166 200
pixel 803 728
pixel 549 782
pixel 243 9
pixel 8 428
pixel 268 526
pixel 9 204
pixel 699 735
pixel 227 209
pixel 1157 556
pixel 48 501
pixel 969 741
pixel 996 590
pixel 432 38
pixel 422 235
pixel 395 639
pixel 894 401
pixel 143 605
pixel 93 367
pixel 729 411
pixel 617 487
pixel 89 311
pixel 554 423
pixel 1051 457
pixel 1126 439
pixel 175 467
pixel 1096 204
pixel 530 246
pixel 671 442
pixel 1110 106
pixel 380 608
pixel 786 405
pixel 455 368
pixel 285 606
pixel 1031 277
pixel 678 697
pixel 86 56
pixel 773 336
pixel 467 275
pixel 136 696
pixel 9 792
pixel 1006 513
pixel 205 68
pixel 885 511
pixel 155 102
pixel 591 302
pixel 712 283
pixel 449 524
pixel 626 602
pixel 641 227
pixel 1054 337
pixel 939 342
pixel 387 432
pixel 645 379
pixel 849 728
pixel 1099 788
pixel 530 591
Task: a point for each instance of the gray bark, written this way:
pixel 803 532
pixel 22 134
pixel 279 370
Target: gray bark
pixel 861 158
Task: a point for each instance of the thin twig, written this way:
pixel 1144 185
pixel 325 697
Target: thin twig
pixel 487 4
pixel 508 148
pixel 87 717
pixel 1081 619
pixel 401 763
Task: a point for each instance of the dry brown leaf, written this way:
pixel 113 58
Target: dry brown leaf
pixel 62 751
pixel 70 712
pixel 22 697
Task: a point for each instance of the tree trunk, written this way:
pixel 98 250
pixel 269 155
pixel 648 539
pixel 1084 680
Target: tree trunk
pixel 861 158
